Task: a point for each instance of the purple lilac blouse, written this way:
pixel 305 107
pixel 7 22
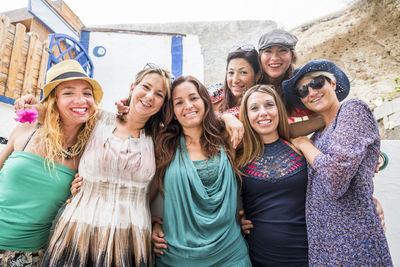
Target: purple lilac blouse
pixel 343 226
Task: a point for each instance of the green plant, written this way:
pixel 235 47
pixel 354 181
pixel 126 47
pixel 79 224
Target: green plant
pixel 397 87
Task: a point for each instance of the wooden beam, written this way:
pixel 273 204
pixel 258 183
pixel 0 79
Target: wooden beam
pixel 4 23
pixel 42 68
pixel 27 86
pixel 15 59
pixel 76 26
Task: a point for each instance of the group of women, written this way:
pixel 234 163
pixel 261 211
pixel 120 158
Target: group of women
pixel 307 202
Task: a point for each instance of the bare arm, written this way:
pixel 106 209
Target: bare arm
pixel 153 189
pixel 306 147
pixel 11 144
pixel 6 152
pixel 303 128
pixel 234 127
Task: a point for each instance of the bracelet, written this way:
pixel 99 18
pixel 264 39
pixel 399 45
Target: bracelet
pixel 385 160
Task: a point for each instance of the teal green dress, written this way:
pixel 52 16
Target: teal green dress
pixel 199 213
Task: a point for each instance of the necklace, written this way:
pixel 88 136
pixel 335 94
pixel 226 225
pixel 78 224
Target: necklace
pixel 69 153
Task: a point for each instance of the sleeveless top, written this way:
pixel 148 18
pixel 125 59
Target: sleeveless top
pixel 199 213
pixel 274 190
pixel 30 197
pixel 108 222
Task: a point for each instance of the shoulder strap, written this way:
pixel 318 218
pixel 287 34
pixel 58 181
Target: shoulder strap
pixel 30 136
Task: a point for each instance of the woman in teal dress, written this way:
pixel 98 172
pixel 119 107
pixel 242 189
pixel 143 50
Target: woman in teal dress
pixel 199 184
pixel 40 160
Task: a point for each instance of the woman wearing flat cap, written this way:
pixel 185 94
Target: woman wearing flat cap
pixel 277 56
pixel 343 226
pixel 40 160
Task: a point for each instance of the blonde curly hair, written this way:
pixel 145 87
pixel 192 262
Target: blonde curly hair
pixel 52 133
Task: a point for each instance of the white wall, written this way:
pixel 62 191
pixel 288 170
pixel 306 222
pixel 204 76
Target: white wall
pixel 387 191
pixel 6 120
pixel 193 61
pixel 127 53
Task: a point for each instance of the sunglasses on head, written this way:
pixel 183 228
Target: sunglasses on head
pixel 246 47
pixel 151 66
pixel 156 67
pixel 316 83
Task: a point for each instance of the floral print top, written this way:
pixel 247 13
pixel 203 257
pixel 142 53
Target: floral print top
pixel 343 226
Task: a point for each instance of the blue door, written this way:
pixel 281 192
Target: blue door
pixel 62 46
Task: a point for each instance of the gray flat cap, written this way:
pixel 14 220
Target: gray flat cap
pixel 277 37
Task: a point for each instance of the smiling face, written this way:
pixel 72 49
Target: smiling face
pixel 320 100
pixel 188 106
pixel 240 77
pixel 75 101
pixel 148 96
pixel 275 61
pixel 263 116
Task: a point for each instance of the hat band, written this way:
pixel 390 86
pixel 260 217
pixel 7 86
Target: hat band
pixel 65 75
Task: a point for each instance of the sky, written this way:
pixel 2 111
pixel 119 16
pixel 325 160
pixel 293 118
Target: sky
pixel 286 13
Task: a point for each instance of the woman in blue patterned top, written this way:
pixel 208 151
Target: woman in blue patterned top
pixel 343 226
pixel 274 182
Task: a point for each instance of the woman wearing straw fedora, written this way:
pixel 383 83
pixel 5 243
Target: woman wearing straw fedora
pixel 40 160
pixel 343 226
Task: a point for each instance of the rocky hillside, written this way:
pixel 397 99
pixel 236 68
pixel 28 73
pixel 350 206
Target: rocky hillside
pixel 364 40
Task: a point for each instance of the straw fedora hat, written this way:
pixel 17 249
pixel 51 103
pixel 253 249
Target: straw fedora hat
pixel 68 70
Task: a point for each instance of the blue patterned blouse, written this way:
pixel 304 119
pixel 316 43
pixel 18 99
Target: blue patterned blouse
pixel 343 226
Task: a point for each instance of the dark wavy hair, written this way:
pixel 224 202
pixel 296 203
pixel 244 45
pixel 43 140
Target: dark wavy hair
pixel 278 87
pixel 168 139
pixel 252 58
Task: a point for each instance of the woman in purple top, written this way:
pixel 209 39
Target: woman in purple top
pixel 343 226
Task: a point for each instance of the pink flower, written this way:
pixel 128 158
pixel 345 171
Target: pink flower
pixel 26 115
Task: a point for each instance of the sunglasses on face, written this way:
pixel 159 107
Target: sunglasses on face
pixel 246 47
pixel 316 84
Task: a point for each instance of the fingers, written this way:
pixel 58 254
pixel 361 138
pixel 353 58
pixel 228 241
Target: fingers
pixel 159 243
pixel 121 107
pixel 158 252
pixel 237 137
pixel 26 101
pixel 69 200
pixel 246 232
pixel 379 163
pixel 76 184
pixel 241 213
pixel 379 210
pixel 247 225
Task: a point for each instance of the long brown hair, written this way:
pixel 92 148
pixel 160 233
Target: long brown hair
pixel 252 146
pixel 212 137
